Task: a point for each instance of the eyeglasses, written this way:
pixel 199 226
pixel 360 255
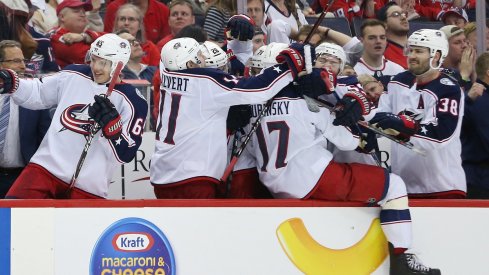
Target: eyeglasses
pixel 398 14
pixel 134 42
pixel 16 61
pixel 129 19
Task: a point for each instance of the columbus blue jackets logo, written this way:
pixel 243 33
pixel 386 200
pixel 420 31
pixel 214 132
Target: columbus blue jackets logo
pixel 76 119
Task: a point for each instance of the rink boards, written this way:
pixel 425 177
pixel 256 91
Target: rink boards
pixel 231 237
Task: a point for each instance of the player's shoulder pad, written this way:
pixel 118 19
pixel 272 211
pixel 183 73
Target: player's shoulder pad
pixel 79 68
pixel 406 78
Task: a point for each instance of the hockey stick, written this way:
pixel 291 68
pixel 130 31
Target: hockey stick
pixel 367 125
pixel 93 130
pixel 235 157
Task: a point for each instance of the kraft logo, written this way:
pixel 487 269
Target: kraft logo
pixel 134 241
pixel 132 246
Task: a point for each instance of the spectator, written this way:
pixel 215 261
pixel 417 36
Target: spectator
pixel 283 20
pixel 454 16
pixel 72 39
pixel 373 62
pixel 256 10
pixel 181 15
pixel 471 34
pixel 130 18
pixel 397 29
pixel 475 135
pixel 304 31
pixel 155 17
pixel 134 68
pixel 216 19
pixel 24 128
pixel 258 39
pixel 461 59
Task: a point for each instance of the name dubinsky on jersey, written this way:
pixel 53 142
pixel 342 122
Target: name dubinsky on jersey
pixel 72 91
pixel 441 103
pixel 290 144
pixel 191 128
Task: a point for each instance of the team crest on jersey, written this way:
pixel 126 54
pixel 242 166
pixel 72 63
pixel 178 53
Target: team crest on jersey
pixel 447 82
pixel 76 119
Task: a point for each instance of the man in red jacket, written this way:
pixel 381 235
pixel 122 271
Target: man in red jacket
pixel 155 17
pixel 72 39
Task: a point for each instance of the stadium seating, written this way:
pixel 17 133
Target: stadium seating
pixel 417 25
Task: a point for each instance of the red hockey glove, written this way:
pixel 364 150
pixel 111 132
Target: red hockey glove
pixel 241 27
pixel 350 109
pixel 402 126
pixel 106 115
pixel 9 81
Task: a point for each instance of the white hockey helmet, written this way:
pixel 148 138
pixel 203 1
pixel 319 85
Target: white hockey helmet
pixel 256 61
pixel 334 50
pixel 177 52
pixel 434 40
pixel 113 48
pixel 271 52
pixel 215 57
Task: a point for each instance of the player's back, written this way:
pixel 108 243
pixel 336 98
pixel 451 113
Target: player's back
pixel 289 145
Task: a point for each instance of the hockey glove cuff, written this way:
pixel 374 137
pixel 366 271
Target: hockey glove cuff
pixel 9 81
pixel 351 108
pixel 106 115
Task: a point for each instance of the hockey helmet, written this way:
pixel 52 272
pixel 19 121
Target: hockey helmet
pixel 334 50
pixel 215 57
pixel 177 52
pixel 113 48
pixel 434 40
pixel 271 52
pixel 256 61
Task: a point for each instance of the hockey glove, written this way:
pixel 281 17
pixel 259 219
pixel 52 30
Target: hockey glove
pixel 241 27
pixel 106 115
pixel 294 57
pixel 351 108
pixel 401 126
pixel 9 81
pixel 236 68
pixel 367 140
pixel 238 117
pixel 315 84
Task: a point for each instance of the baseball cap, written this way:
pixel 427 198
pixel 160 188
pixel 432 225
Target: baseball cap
pixel 382 12
pixel 87 5
pixel 460 12
pixel 451 30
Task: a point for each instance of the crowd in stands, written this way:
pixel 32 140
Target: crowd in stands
pixel 57 33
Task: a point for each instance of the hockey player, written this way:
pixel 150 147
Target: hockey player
pixel 190 153
pixel 121 117
pixel 424 93
pixel 293 162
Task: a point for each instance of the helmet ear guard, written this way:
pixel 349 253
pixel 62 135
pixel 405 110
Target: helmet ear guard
pixel 177 52
pixel 434 40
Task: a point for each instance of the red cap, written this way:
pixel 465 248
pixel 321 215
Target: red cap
pixel 86 4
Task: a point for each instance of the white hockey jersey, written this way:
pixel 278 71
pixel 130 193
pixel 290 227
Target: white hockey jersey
pixel 191 129
pixel 290 145
pixel 441 102
pixel 72 91
pixel 384 73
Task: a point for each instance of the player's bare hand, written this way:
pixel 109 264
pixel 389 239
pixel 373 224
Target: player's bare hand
pixel 467 62
pixel 475 91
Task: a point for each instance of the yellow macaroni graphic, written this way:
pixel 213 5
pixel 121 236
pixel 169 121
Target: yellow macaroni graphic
pixel 312 258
